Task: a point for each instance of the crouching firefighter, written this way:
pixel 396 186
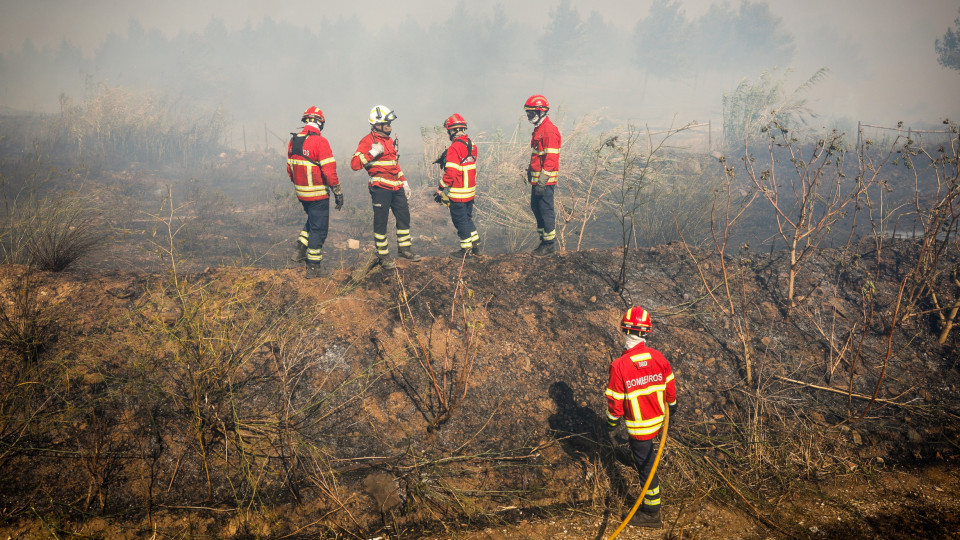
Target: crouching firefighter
pixel 313 171
pixel 458 186
pixel 389 190
pixel 641 383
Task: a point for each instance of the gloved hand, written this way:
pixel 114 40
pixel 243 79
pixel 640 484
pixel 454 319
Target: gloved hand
pixel 440 198
pixel 337 196
pixel 529 175
pixel 609 429
pixel 539 189
pixel 376 149
pixel 406 189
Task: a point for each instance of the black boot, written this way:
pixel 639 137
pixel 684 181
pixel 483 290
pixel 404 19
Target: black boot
pixel 313 270
pixel 408 254
pixel 545 249
pixel 475 250
pixel 460 253
pixel 650 520
pixel 300 254
pixel 385 262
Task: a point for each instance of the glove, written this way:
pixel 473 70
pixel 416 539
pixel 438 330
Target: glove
pixel 406 189
pixel 337 196
pixel 376 149
pixel 539 190
pixel 440 198
pixel 529 175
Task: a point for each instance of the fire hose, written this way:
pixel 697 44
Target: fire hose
pixel 653 470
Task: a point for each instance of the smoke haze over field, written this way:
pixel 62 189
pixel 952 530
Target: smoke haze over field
pixel 264 62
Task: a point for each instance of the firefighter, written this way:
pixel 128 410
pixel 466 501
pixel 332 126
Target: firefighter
pixel 641 382
pixel 459 184
pixel 543 170
pixel 313 171
pixel 389 190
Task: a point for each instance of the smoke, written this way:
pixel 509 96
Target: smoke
pixel 652 62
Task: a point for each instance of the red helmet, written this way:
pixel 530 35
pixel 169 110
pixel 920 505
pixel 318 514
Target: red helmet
pixel 636 319
pixel 455 122
pixel 536 103
pixel 313 113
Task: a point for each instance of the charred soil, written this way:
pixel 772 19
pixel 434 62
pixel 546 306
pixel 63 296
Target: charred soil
pixel 463 399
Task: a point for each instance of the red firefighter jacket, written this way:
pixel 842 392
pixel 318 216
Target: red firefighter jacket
pixel 384 170
pixel 305 151
pixel 641 387
pixel 460 171
pixel 545 153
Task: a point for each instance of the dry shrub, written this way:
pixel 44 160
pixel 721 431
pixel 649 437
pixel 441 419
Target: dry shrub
pixel 27 324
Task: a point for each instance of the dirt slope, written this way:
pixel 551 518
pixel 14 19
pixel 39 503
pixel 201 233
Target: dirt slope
pixel 502 441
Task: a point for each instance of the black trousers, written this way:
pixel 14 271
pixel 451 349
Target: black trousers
pixel 462 215
pixel 384 201
pixel 316 227
pixel 644 454
pixel 543 210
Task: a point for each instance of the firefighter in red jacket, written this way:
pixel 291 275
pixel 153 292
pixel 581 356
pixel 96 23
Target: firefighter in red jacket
pixel 543 170
pixel 641 383
pixel 459 184
pixel 389 190
pixel 313 171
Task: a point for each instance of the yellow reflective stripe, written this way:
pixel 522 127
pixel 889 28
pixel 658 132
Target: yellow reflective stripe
pixel 656 388
pixel 302 162
pixel 614 395
pixel 551 174
pixel 551 151
pixel 611 416
pixel 462 168
pixel 539 152
pixel 643 431
pixel 383 163
pixel 310 191
pixel 363 158
pixel 462 192
pixel 649 422
pixel 641 357
pixel 387 181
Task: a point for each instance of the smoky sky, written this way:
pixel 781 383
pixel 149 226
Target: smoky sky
pixel 879 53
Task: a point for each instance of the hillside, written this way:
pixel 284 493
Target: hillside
pixel 463 401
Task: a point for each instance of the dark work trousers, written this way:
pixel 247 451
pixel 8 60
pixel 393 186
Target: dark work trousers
pixel 543 210
pixel 385 200
pixel 462 215
pixel 318 222
pixel 644 454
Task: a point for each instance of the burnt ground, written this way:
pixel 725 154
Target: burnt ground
pixel 318 415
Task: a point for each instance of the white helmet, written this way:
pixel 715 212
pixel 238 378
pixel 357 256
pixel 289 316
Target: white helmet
pixel 381 114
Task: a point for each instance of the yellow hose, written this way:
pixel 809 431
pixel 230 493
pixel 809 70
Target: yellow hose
pixel 653 470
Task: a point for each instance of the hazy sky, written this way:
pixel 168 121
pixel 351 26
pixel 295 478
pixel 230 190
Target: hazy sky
pixel 880 52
